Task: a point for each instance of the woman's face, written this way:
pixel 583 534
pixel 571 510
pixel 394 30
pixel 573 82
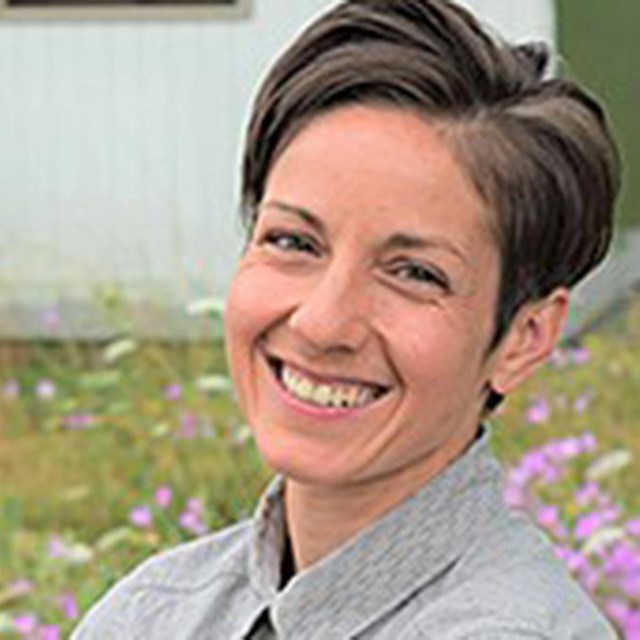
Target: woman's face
pixel 359 317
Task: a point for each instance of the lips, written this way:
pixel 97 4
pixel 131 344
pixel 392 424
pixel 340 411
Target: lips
pixel 324 391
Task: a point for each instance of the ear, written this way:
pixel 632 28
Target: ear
pixel 533 334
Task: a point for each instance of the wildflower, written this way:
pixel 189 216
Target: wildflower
pixel 520 475
pixel 163 496
pixel 69 606
pixel 195 505
pixel 589 577
pixel 615 608
pixel 118 349
pixel 623 559
pixel 574 560
pixel 188 425
pixel 113 538
pixel 72 553
pixel 191 518
pixel 11 388
pixel 45 389
pixel 48 632
pixel 192 522
pixel 552 474
pixel 538 411
pixel 588 524
pixel 213 383
pixel 587 494
pixel 581 403
pixel 206 306
pixel 601 539
pixel 549 517
pixel 56 547
pixel 25 624
pixel 564 450
pixel 609 464
pixel 630 585
pixel 141 517
pixel 173 392
pixel 633 527
pixel 580 355
pixel 588 442
pixel 515 496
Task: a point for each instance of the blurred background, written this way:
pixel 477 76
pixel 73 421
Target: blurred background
pixel 120 135
pixel 120 144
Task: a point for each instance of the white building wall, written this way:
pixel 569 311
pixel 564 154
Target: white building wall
pixel 119 154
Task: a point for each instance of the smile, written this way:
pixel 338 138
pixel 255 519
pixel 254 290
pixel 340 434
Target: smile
pixel 324 393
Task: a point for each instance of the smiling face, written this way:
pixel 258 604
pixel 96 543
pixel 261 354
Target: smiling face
pixel 359 317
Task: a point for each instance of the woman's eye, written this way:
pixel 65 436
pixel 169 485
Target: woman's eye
pixel 288 241
pixel 422 275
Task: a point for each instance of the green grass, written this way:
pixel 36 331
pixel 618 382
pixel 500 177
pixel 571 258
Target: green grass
pixel 79 485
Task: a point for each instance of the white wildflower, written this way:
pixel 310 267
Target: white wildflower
pixel 214 383
pixel 118 349
pixel 608 464
pixel 206 306
pixel 601 539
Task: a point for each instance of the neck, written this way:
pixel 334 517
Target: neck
pixel 321 518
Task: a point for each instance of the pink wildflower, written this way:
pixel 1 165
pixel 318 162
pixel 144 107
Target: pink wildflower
pixel 49 632
pixel 25 624
pixel 141 517
pixel 163 496
pixel 69 606
pixel 538 411
pixel 580 355
pixel 188 425
pixel 588 524
pixel 633 527
pixel 173 392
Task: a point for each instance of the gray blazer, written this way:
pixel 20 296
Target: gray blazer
pixel 450 563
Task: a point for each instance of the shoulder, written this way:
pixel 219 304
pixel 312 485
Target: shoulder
pixel 510 586
pixel 196 563
pixel 179 572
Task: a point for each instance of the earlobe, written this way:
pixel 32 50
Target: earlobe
pixel 533 334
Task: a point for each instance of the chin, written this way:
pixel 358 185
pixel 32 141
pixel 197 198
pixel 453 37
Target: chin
pixel 293 462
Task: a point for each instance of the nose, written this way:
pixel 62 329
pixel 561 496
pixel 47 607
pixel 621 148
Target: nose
pixel 333 314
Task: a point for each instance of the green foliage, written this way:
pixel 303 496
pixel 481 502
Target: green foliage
pixel 598 45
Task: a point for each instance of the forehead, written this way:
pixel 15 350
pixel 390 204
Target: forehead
pixel 385 165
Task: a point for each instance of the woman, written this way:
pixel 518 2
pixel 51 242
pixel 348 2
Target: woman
pixel 419 200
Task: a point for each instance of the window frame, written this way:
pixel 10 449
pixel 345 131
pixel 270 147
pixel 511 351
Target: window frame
pixel 241 9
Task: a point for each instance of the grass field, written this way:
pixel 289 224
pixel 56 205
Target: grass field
pixel 110 454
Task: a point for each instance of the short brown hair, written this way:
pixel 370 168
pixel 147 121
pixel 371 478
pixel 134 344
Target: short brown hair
pixel 538 149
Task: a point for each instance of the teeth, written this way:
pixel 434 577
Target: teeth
pixel 326 395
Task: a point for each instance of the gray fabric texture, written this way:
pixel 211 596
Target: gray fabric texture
pixel 450 563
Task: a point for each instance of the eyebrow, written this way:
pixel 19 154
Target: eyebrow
pixel 411 241
pixel 398 240
pixel 301 212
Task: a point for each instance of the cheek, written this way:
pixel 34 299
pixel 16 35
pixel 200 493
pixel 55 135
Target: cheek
pixel 436 350
pixel 256 301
